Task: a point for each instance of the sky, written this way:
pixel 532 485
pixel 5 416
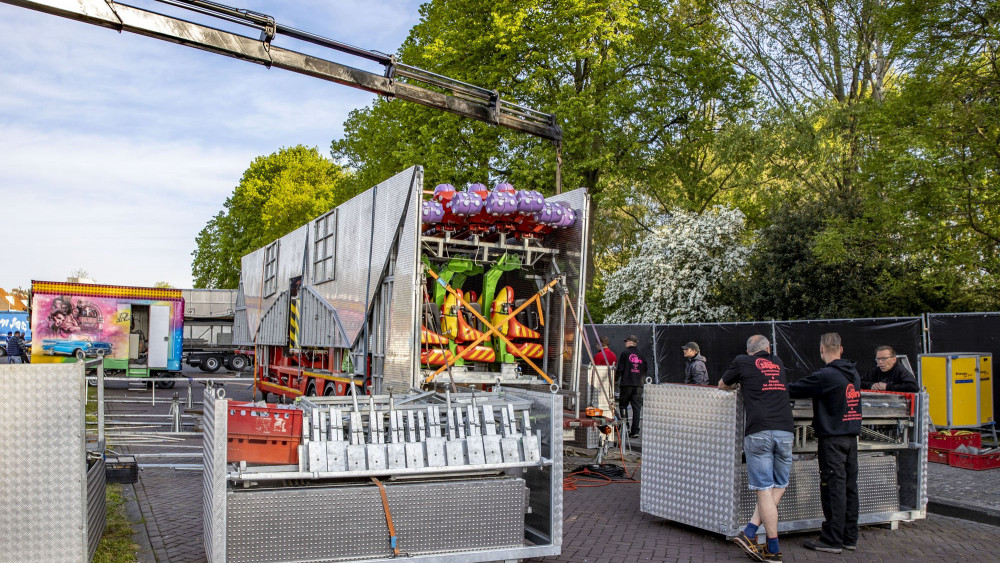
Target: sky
pixel 116 149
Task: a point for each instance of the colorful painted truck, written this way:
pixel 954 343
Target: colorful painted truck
pixel 401 288
pixel 137 331
pixel 13 321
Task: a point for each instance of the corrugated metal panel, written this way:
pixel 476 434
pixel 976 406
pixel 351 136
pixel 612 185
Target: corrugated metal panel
pixel 320 326
pixel 209 303
pixel 214 476
pixel 96 506
pixel 43 507
pixel 572 262
pixel 241 330
pixel 355 236
pixel 274 323
pixel 401 369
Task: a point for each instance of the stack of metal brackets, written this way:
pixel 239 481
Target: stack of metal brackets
pixel 467 478
pixel 52 505
pixel 694 473
pixel 459 432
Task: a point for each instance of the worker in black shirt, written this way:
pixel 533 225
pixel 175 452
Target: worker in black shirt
pixel 888 374
pixel 836 396
pixel 767 440
pixel 631 376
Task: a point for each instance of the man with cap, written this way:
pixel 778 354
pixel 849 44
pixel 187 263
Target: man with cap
pixel 695 373
pixel 631 376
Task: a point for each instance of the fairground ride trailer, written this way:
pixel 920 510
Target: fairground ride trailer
pixel 399 288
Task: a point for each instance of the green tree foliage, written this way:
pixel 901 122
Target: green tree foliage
pixel 277 194
pixel 627 80
pixel 676 276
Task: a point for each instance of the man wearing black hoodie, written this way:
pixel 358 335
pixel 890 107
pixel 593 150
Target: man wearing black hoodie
pixel 836 393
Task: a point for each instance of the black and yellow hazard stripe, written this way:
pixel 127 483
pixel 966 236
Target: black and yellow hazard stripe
pixel 293 324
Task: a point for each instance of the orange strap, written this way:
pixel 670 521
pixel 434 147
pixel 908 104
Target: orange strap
pixel 388 518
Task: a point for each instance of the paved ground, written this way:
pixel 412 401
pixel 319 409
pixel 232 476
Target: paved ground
pixel 603 524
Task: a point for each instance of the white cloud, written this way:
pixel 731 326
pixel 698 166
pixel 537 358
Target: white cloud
pixel 116 149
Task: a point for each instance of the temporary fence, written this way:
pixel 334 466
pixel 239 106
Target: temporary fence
pixel 797 342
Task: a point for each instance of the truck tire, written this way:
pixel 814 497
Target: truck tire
pixel 164 384
pixel 238 362
pixel 211 364
pixel 311 389
pixel 329 389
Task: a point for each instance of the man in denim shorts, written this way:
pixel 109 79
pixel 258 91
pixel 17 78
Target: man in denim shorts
pixel 767 440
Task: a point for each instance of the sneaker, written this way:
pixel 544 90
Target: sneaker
pixel 749 545
pixel 817 545
pixel 851 547
pixel 766 555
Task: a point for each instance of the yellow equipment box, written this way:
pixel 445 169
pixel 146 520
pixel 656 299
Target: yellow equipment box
pixel 960 387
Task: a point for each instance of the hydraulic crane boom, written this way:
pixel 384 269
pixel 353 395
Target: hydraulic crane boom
pixel 462 99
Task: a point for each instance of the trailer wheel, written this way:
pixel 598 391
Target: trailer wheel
pixel 164 384
pixel 211 364
pixel 311 389
pixel 238 362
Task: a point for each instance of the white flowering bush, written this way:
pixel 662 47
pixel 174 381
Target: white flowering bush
pixel 678 269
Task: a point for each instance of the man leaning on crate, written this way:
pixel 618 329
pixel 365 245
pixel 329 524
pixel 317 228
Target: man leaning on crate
pixel 888 374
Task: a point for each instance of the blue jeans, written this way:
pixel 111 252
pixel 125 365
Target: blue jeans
pixel 769 459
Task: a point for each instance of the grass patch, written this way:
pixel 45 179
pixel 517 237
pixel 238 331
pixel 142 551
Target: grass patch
pixel 116 545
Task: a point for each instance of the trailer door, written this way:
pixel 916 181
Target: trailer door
pixel 159 336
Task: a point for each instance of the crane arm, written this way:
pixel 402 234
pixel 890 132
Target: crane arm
pixel 459 98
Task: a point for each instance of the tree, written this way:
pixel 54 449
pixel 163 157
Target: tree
pixel 80 273
pixel 676 276
pixel 163 284
pixel 277 194
pixel 628 81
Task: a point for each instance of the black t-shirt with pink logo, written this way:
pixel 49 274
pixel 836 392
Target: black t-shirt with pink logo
pixel 836 393
pixel 765 391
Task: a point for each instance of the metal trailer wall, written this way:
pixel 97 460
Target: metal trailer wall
pixel 209 303
pixel 51 506
pixel 461 519
pixel 571 261
pixel 693 472
pixel 341 300
pixel 965 332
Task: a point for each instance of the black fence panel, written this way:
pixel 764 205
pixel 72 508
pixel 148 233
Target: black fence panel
pixel 616 334
pixel 798 341
pixel 972 332
pixel 719 343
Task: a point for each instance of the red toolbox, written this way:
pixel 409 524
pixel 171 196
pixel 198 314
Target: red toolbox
pixel 950 440
pixel 267 435
pixel 936 455
pixel 974 461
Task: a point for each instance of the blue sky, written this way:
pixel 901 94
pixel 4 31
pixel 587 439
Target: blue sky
pixel 116 149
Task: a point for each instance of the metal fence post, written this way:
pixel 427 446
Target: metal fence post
pixel 175 410
pixel 100 406
pixel 190 383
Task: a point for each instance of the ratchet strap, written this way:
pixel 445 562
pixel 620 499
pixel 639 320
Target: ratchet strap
pixel 388 518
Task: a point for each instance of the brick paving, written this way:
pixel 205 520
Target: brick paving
pixel 603 524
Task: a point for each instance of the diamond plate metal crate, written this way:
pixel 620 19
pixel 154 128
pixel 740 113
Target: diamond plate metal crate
pixel 446 513
pixel 51 502
pixel 694 473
